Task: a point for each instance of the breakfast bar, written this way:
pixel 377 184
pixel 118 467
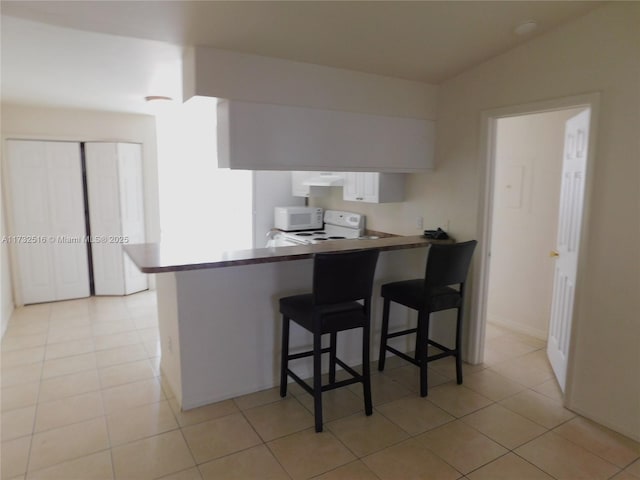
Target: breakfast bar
pixel 218 315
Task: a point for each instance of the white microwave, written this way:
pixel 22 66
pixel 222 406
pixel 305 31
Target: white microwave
pixel 297 218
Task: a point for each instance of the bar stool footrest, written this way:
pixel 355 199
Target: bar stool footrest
pixel 357 378
pixel 402 332
pixel 295 356
pixel 402 355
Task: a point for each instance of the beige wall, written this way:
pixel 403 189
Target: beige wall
pixel 528 167
pixel 38 123
pixel 6 293
pixel 219 73
pixel 596 53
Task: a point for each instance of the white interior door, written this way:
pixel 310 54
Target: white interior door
pixel 114 179
pixel 104 212
pixel 569 223
pixel 67 215
pixel 29 202
pixel 47 205
pixel 131 211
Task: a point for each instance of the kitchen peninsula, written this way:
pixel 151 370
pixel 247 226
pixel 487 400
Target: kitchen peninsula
pixel 218 310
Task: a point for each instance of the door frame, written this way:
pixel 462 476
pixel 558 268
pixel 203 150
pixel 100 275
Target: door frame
pixel 487 156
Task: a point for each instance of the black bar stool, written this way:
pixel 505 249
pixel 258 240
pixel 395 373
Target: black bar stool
pixel 447 266
pixel 340 282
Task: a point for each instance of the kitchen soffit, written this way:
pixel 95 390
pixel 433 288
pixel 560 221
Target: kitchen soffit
pixel 427 41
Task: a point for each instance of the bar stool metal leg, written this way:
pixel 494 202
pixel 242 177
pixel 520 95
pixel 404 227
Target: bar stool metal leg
pixel 317 380
pixel 458 347
pixel 420 345
pixel 423 334
pixel 383 334
pixel 332 357
pixel 366 367
pixel 284 361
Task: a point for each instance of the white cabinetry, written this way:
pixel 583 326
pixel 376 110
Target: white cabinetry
pixel 298 188
pixel 47 228
pixel 258 136
pixel 313 183
pixel 373 187
pixel 116 213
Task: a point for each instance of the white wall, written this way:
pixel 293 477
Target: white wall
pixel 223 74
pixel 595 53
pixel 199 202
pixel 270 189
pixel 6 293
pixel 528 167
pixel 39 123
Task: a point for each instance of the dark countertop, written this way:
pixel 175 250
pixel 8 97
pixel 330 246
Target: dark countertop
pixel 159 258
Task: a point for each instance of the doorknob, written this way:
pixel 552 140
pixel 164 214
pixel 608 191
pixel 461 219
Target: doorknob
pixel 554 253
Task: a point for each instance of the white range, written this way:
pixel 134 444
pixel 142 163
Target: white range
pixel 338 225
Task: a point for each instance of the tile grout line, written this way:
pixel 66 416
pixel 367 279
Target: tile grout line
pixel 101 389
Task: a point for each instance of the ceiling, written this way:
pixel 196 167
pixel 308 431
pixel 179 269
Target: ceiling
pixel 110 54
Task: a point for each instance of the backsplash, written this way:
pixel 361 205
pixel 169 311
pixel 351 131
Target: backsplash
pixel 398 218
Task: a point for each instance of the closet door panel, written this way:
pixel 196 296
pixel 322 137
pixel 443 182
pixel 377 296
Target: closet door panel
pixel 48 226
pixel 29 204
pixel 66 196
pixel 132 209
pixel 104 214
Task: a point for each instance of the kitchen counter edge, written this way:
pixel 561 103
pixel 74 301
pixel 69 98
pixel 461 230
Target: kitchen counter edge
pixel 159 258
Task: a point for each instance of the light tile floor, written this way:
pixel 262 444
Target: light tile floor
pixel 82 398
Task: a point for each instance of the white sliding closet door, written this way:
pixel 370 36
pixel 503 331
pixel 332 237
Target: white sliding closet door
pixel 132 210
pixel 48 223
pixel 104 217
pixel 116 212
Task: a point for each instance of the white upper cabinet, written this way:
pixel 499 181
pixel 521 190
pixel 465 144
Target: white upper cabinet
pixel 258 136
pixel 298 188
pixel 313 183
pixel 373 187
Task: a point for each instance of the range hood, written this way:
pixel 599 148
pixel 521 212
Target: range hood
pixel 328 179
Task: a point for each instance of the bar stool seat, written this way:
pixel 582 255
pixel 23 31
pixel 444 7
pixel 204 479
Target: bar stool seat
pixel 340 300
pixel 411 293
pixel 334 317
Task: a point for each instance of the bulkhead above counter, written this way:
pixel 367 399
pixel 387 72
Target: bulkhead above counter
pixel 260 136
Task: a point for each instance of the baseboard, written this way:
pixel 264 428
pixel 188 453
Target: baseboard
pixel 601 421
pixel 517 327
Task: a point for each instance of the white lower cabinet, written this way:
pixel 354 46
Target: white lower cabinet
pixel 373 187
pixel 47 228
pixel 116 214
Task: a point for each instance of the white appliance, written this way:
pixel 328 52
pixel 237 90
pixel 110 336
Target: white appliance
pixel 297 218
pixel 338 225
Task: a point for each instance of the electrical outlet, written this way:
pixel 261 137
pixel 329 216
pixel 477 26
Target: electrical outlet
pixel 169 345
pixel 419 223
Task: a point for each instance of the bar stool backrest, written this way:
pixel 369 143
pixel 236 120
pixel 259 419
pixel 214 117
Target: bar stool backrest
pixel 344 276
pixel 448 264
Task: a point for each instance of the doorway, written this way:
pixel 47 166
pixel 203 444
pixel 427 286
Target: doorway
pixel 524 156
pixel 526 198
